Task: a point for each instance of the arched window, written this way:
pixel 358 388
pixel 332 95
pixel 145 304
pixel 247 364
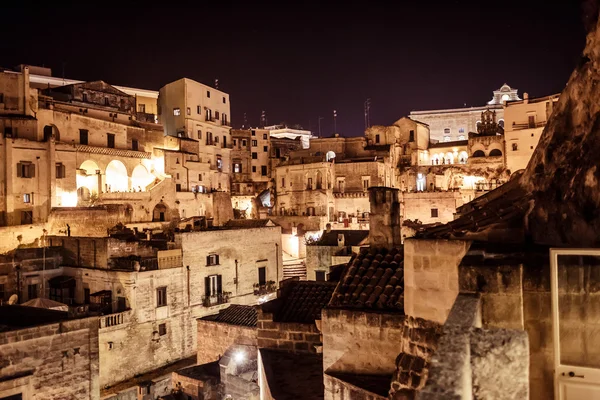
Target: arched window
pixel 159 213
pixel 478 153
pixel 449 158
pixel 463 157
pixel 495 153
pixel 117 179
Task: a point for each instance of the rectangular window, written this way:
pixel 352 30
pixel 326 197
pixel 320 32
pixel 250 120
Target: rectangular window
pixel 320 276
pixel 461 130
pixel 434 213
pixel 188 111
pixel 32 291
pixel 177 175
pixel 366 183
pixel 2 292
pixel 376 138
pixel 237 168
pixel 198 110
pixel 142 108
pixel 25 169
pixel 208 93
pixel 254 168
pixel 219 163
pixel 161 296
pixel 84 97
pixel 254 156
pixel 224 141
pixel 254 143
pixel 265 136
pixel 212 259
pixel 200 177
pixel 531 120
pixel 110 140
pixel 515 146
pixel 411 136
pixel 265 148
pixel 26 217
pixel 282 183
pixel 83 136
pixel 199 134
pixel 253 133
pixel 244 143
pixel 61 172
pixel 135 145
pixel 224 101
pixel 178 187
pixel 216 115
pixel 176 111
pixel 162 329
pixel 234 142
pixel 216 139
pixel 106 102
pixel 213 285
pixel 263 170
pixel 262 275
pixel 27 198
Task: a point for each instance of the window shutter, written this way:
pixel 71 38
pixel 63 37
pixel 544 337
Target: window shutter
pixel 19 170
pixel 217 260
pixel 219 284
pixel 32 170
pixel 63 171
pixel 207 286
pixel 207 260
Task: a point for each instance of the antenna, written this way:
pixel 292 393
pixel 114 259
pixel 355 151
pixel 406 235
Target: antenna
pixel 245 121
pixel 216 83
pixel 367 114
pixel 334 121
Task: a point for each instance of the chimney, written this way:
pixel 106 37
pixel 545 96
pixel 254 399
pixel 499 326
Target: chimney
pixel 384 218
pixel 526 98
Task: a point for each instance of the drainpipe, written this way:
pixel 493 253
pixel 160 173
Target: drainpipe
pixel 188 285
pixel 236 277
pixel 277 262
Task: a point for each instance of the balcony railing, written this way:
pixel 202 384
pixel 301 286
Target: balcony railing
pixel 261 289
pixel 216 299
pixel 113 319
pixel 528 125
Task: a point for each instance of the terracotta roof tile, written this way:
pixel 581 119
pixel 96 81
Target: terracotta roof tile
pixel 304 301
pixel 236 314
pixel 373 279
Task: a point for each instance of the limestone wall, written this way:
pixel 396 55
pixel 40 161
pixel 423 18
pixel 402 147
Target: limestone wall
pixel 57 360
pixel 431 277
pixel 287 336
pixel 12 237
pixel 215 338
pixel 319 258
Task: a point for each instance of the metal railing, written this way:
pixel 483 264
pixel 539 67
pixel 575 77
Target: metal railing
pixel 215 299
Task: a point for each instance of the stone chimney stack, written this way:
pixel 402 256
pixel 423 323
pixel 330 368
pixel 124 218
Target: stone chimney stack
pixel 526 98
pixel 384 217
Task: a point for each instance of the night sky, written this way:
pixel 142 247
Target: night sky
pixel 301 61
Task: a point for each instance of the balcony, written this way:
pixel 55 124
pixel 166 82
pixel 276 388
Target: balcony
pixel 260 289
pixel 114 319
pixel 145 117
pixel 527 125
pixel 216 299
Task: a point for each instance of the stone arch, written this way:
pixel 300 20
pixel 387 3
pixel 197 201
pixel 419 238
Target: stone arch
pixel 51 131
pixel 330 155
pixel 463 157
pixel 141 178
pixel 495 153
pixel 160 212
pixel 478 153
pixel 319 180
pixel 117 179
pixel 88 176
pixel 449 158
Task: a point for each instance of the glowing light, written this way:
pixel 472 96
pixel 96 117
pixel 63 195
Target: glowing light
pixel 239 357
pixel 68 199
pixel 470 181
pixel 159 164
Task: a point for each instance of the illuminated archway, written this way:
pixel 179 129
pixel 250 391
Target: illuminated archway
pixel 449 157
pixel 140 178
pixel 87 176
pixel 463 157
pixel 117 179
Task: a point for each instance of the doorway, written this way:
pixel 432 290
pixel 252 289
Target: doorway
pixel 575 280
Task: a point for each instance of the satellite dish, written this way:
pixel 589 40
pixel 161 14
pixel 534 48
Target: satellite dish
pixel 13 299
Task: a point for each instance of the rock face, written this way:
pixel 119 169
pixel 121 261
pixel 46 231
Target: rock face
pixel 564 172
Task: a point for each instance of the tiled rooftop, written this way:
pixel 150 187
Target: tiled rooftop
pixel 236 314
pixel 303 301
pixel 373 279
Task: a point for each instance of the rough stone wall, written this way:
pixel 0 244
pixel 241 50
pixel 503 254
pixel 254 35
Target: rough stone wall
pixel 420 205
pixel 384 217
pixel 336 389
pixel 431 276
pixel 319 258
pixel 289 336
pixel 82 251
pixel 12 237
pixel 215 338
pixel 358 342
pixel 84 221
pixel 56 361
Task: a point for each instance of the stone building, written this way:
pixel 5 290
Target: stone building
pixel 525 121
pixel 46 355
pixel 455 124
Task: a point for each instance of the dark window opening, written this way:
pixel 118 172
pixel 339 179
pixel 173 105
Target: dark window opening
pixel 320 276
pixel 83 136
pixel 110 138
pixel 162 329
pixel 161 296
pixel 434 213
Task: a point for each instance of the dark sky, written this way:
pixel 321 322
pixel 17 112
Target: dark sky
pixel 301 61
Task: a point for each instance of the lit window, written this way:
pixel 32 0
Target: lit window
pixel 446 138
pixel 188 111
pixel 254 143
pixel 461 130
pixel 219 163
pixel 176 111
pixel 237 168
pixel 27 198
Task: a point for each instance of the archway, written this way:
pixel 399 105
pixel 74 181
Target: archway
pixel 449 158
pixel 495 153
pixel 117 179
pixel 463 157
pixel 319 182
pixel 51 131
pixel 141 178
pixel 159 213
pixel 478 153
pixel 88 176
pixel 435 159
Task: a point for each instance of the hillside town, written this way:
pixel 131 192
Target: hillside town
pixel 152 248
